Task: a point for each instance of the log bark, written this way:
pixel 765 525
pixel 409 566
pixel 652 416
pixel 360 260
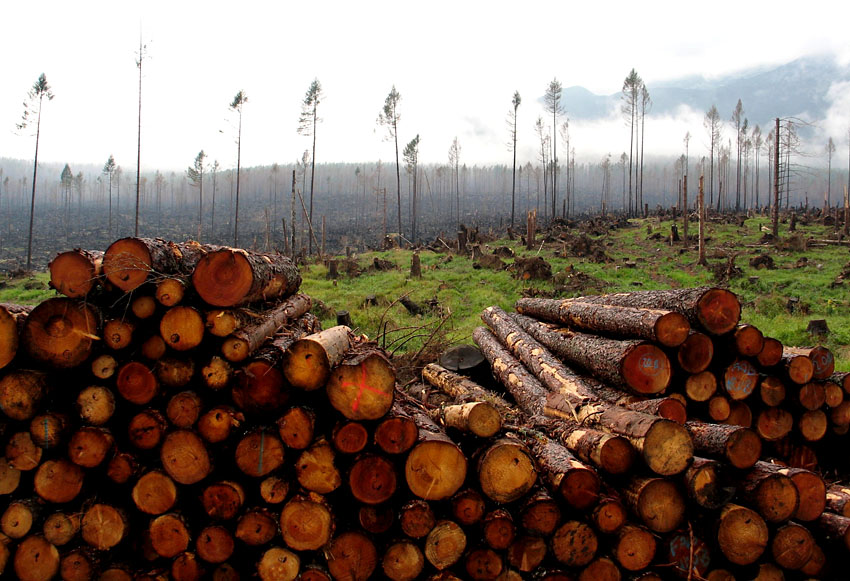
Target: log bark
pixel 307 364
pixel 740 446
pixel 130 262
pixel 798 367
pixel 577 484
pixel 572 398
pixel 823 361
pixel 241 343
pixel 479 418
pixel 637 365
pixel 838 499
pixel 76 272
pixel 706 484
pixel 61 332
pixel 836 527
pixel 772 494
pixel 228 277
pixel 464 390
pixel 713 309
pixel 668 328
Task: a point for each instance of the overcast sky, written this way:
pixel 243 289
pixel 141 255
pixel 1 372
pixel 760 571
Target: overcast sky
pixel 456 65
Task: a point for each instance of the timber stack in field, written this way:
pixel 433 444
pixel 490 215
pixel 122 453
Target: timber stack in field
pixel 710 443
pixel 179 414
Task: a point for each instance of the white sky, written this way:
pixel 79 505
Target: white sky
pixel 456 65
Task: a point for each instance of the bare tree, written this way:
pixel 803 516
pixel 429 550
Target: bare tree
pixel 411 162
pixel 544 146
pixel 454 163
pixel 236 105
pixel 565 135
pixel 631 91
pixel 195 173
pixel 109 171
pixel 645 105
pixel 307 123
pixel 512 118
pixel 712 125
pixel 758 141
pixel 389 118
pixel 830 149
pixel 623 159
pixel 32 108
pixel 552 102
pixel 737 119
pixel 140 57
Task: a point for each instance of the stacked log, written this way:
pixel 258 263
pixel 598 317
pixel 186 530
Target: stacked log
pixel 185 417
pixel 743 494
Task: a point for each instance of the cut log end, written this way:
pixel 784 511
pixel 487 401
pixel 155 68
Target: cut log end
pixel 363 391
pixel 696 353
pixel 719 311
pixel 435 469
pixel 647 369
pixel 672 329
pixel 127 263
pixel 668 448
pixel 741 534
pixel 223 278
pixel 74 273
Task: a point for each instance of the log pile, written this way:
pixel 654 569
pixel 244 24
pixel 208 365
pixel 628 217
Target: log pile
pixel 725 437
pixel 179 414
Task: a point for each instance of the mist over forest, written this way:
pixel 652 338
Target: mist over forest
pixel 357 204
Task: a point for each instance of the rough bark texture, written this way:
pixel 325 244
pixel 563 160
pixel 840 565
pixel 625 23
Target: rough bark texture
pixel 228 277
pixel 666 327
pixel 240 344
pixel 713 309
pixel 636 365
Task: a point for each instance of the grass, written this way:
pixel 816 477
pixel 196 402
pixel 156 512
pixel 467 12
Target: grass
pixel 454 294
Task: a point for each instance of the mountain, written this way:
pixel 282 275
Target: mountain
pixel 795 89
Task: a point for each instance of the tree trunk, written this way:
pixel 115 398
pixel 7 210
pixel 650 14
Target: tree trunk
pixel 637 365
pixel 666 327
pixel 242 342
pixel 740 446
pixel 713 309
pixel 227 277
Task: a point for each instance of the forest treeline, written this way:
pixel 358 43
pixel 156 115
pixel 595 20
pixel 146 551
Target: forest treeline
pixel 306 206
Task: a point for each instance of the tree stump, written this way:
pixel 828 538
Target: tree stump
pixel 415 266
pixel 818 328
